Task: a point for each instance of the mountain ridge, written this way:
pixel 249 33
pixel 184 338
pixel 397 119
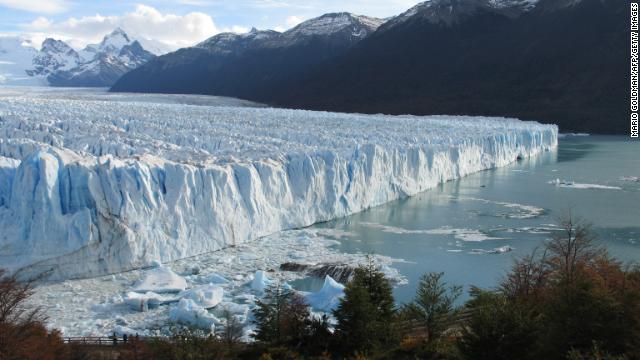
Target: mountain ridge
pixel 58 64
pixel 250 65
pixel 555 61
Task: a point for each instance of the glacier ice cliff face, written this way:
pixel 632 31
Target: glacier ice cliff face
pixel 95 187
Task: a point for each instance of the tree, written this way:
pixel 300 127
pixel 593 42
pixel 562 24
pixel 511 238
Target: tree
pixel 574 300
pixel 434 305
pixel 366 314
pixel 573 249
pixel 22 332
pixel 528 279
pixel 281 317
pixel 232 330
pixel 499 328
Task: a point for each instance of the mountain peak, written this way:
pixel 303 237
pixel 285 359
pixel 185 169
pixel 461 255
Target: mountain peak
pixel 450 11
pixel 55 46
pixel 118 32
pixel 115 41
pixel 332 23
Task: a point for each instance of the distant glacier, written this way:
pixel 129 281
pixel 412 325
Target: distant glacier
pixel 90 186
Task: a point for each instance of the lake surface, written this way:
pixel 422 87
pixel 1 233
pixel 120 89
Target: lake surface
pixel 456 227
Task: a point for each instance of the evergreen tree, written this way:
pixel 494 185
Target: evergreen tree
pixel 366 314
pixel 281 317
pixel 499 329
pixel 434 305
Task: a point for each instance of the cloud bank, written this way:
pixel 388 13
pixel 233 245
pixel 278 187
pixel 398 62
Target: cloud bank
pixel 37 6
pixel 144 23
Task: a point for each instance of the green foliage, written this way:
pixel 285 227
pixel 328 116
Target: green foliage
pixel 571 300
pixel 434 305
pixel 186 344
pixel 281 316
pixel 283 319
pixel 499 329
pixel 366 314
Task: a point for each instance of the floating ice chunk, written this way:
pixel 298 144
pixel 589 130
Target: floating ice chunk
pixel 328 298
pixel 187 312
pixel 564 135
pixel 206 296
pixel 503 249
pixel 142 302
pixel 573 185
pixel 630 178
pixel 215 279
pixel 518 211
pixel 160 280
pixel 260 281
pixel 460 234
pixel 236 309
pixel 498 250
pixel 121 330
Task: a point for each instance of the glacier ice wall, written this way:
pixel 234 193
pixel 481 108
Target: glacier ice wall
pixel 95 187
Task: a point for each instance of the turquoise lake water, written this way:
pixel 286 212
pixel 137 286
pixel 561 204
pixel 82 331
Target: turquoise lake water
pixel 456 227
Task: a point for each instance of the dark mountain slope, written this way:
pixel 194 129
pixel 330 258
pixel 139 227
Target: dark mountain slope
pixel 250 65
pixel 564 62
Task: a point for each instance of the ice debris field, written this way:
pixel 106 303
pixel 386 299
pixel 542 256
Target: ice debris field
pixel 202 292
pixel 91 187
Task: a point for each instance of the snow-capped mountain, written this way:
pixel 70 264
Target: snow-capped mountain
pixel 251 64
pixel 450 11
pixel 102 64
pixel 54 56
pixel 227 43
pixel 58 64
pixel 340 27
pixel 559 61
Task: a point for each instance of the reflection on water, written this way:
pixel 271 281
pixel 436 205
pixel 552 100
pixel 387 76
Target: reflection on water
pixel 471 229
pixel 574 151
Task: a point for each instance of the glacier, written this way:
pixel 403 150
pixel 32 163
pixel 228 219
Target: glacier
pixel 93 186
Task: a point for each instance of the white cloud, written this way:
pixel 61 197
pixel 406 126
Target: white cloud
pixel 237 29
pixel 37 6
pixel 145 22
pixel 293 21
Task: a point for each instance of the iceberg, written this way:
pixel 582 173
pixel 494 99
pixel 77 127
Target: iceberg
pixel 142 302
pixel 160 280
pixel 574 185
pixel 260 281
pixel 328 298
pixel 91 187
pixel 207 296
pixel 187 312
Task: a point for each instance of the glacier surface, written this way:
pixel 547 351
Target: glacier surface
pixel 93 186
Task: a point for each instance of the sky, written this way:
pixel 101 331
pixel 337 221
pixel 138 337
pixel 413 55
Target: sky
pixel 170 23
